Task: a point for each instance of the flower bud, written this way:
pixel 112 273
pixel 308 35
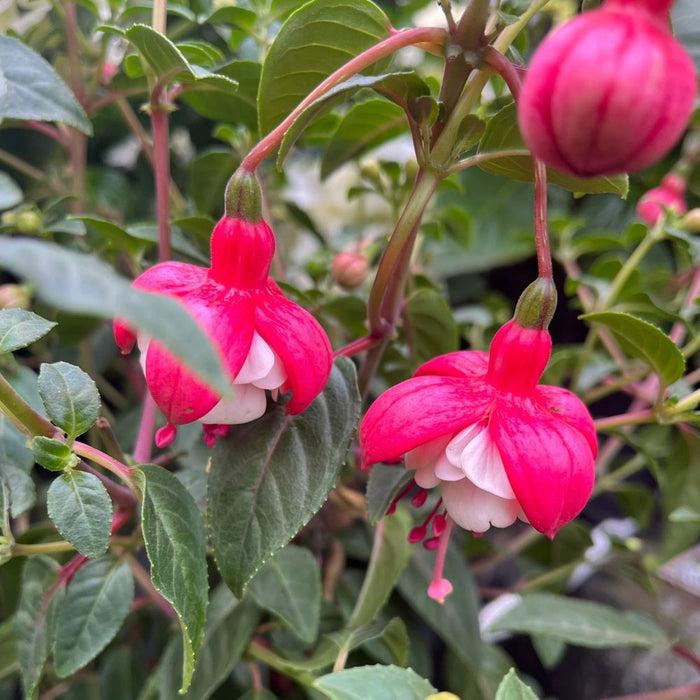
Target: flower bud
pixel 668 195
pixel 349 270
pixel 609 92
pixel 14 296
pixel 691 221
pixel 536 305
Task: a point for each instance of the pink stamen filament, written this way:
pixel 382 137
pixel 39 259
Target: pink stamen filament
pixel 440 587
pixel 419 533
pixel 401 495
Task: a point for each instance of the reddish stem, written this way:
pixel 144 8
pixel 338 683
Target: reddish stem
pixel 395 41
pixel 357 346
pixel 144 440
pixel 48 130
pixel 161 166
pixel 687 655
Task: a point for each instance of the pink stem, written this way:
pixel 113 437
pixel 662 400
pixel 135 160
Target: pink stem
pixel 161 164
pixel 395 41
pixel 637 418
pixel 440 587
pixel 144 440
pixel 99 457
pixel 357 346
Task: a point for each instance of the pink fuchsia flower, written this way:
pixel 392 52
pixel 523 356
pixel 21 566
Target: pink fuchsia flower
pixel 265 341
pixel 609 92
pixel 498 445
pixel 669 195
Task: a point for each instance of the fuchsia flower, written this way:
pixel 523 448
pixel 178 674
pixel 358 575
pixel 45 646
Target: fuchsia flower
pixel 266 342
pixel 498 445
pixel 668 195
pixel 609 92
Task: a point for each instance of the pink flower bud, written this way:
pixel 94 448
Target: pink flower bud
pixel 609 92
pixel 349 270
pixel 668 195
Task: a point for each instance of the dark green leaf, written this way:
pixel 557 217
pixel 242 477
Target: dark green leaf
pixel 375 683
pixel 289 586
pixel 396 86
pixel 579 622
pixel 550 651
pixel 70 397
pixel 269 477
pixel 502 134
pixel 8 650
pixel 430 326
pixel 176 543
pixel 83 285
pixel 19 488
pixel 97 601
pixel 230 626
pixel 644 341
pixel 384 485
pixel 316 40
pixel 53 455
pixel 456 621
pixel 31 89
pixel 19 328
pixel 391 558
pixel 168 62
pixel 10 193
pixel 393 634
pixel 208 176
pixel 365 126
pixel 35 620
pixel 81 509
pixel 116 235
pixel 512 688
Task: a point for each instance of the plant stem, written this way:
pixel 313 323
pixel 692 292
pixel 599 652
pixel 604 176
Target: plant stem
pixel 144 580
pixel 686 404
pixel 394 42
pixel 613 422
pixel 480 158
pixel 29 421
pixel 159 16
pixel 30 550
pixel 104 460
pixel 261 653
pixel 21 166
pixel 144 439
pixel 611 480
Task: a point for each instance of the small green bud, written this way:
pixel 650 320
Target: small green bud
pixel 28 222
pixel 243 197
pixel 691 221
pixel 536 305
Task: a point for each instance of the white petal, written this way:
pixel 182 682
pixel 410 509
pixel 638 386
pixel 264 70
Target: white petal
pixel 259 362
pixel 274 378
pixel 476 510
pixel 246 404
pixel 446 471
pixel 423 459
pixel 481 463
pixel 142 342
pixel 460 441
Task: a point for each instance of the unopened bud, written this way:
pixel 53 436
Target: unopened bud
pixel 349 270
pixel 14 296
pixel 536 305
pixel 691 221
pixel 28 222
pixel 669 195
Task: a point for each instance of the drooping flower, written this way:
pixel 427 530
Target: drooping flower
pixel 608 92
pixel 497 444
pixel 668 195
pixel 265 341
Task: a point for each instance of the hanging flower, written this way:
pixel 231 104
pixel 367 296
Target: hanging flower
pixel 498 445
pixel 668 195
pixel 265 341
pixel 609 92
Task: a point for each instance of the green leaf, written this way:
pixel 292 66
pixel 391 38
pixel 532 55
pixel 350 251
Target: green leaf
pixel 289 586
pixel 392 634
pixel 502 134
pixel 176 544
pixel 430 326
pixel 70 397
pixel 384 485
pixel 230 626
pixel 315 41
pixel 456 621
pixel 81 510
pixel 96 604
pixel 512 688
pixel 389 559
pixel 168 62
pixel 10 193
pixel 208 175
pixel 31 89
pixel 644 341
pixel 83 285
pixel 19 328
pixel 269 477
pixel 53 455
pixel 19 488
pixel 375 683
pixel 8 650
pixel 398 87
pixel 579 622
pixel 116 235
pixel 35 620
pixel 364 127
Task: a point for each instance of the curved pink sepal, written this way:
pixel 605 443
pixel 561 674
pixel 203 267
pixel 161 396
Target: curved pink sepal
pixel 467 364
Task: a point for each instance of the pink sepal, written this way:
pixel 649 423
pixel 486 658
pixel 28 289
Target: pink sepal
pixel 466 364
